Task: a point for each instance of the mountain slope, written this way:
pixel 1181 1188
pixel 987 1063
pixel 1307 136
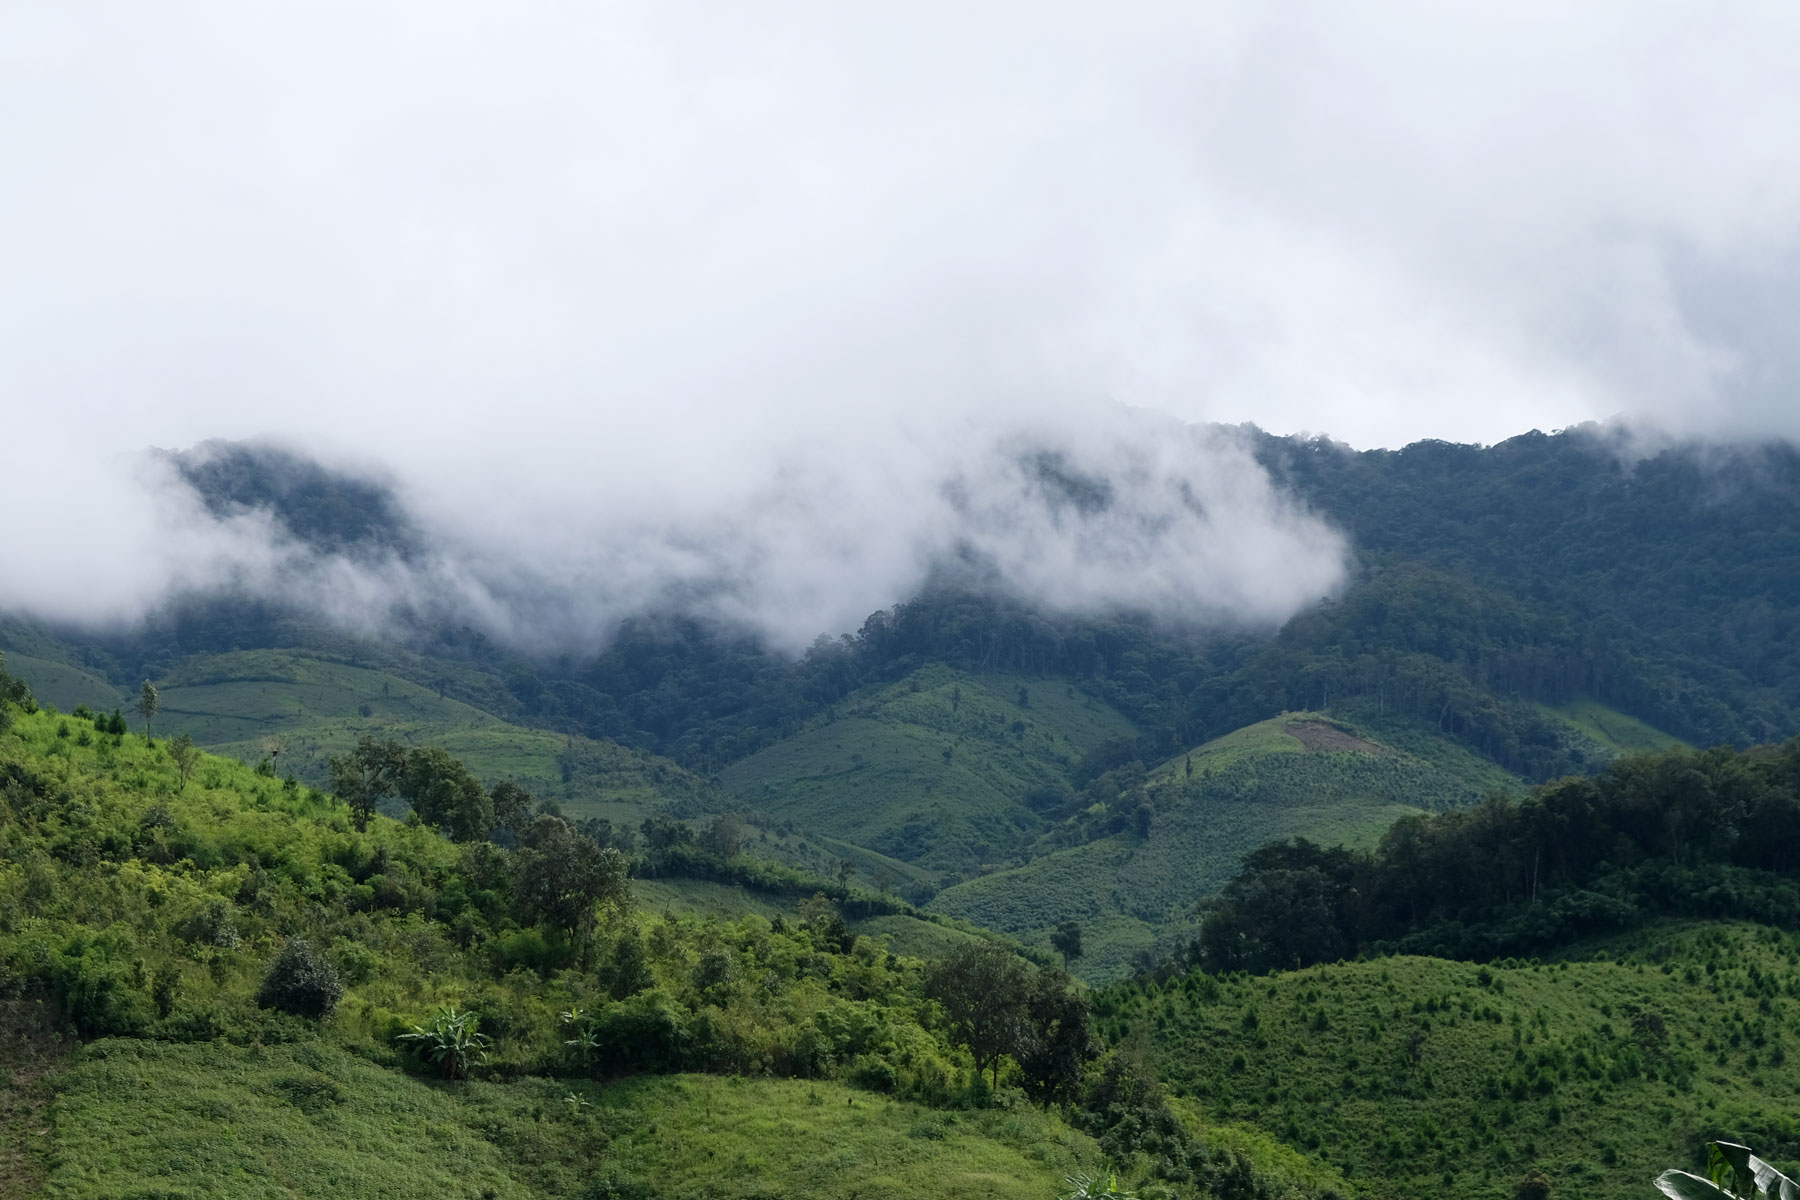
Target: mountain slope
pixel 1301 774
pixel 938 769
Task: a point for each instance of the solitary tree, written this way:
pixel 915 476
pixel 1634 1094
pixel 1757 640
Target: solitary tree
pixel 511 804
pixel 301 981
pixel 1067 940
pixel 186 756
pixel 148 704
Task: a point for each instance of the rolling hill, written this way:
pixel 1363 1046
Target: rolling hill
pixel 937 769
pixel 1300 774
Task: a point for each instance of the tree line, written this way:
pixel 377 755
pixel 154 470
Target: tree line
pixel 1690 832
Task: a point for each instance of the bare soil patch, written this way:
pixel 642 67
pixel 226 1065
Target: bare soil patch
pixel 1320 736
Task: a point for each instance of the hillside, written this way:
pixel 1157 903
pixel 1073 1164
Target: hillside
pixel 1193 819
pixel 140 911
pixel 1418 1077
pixel 940 769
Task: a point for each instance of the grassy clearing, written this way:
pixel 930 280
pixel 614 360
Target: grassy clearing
pixel 140 1119
pixel 932 770
pixel 1615 731
pixel 1419 1077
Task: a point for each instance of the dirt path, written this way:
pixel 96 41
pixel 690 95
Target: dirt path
pixel 1319 736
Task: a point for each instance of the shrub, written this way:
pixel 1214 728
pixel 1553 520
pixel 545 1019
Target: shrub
pixel 301 981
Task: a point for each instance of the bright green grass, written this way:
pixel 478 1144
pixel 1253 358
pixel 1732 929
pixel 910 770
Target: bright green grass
pixel 1417 1080
pixel 63 685
pixel 932 770
pixel 1614 730
pixel 144 1119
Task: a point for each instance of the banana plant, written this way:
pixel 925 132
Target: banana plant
pixel 1732 1173
pixel 450 1041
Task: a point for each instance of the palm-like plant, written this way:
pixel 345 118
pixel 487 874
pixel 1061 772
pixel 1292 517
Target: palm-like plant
pixel 1732 1173
pixel 451 1041
pixel 1083 1187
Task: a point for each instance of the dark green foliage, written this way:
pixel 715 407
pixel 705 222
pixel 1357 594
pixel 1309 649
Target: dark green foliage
pixel 511 805
pixel 445 794
pixel 562 877
pixel 367 775
pixel 301 981
pixel 1067 940
pixel 984 990
pixel 1710 833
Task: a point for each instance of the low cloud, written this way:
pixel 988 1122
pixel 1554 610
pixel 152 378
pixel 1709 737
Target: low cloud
pixel 760 310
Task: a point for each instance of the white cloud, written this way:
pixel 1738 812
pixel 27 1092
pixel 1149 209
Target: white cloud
pixel 580 269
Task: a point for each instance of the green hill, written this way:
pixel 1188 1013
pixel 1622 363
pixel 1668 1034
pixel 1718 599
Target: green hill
pixel 933 770
pixel 64 684
pixel 1418 1077
pixel 1301 774
pixel 141 912
pixel 243 704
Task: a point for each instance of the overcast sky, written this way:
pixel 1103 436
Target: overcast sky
pixel 660 264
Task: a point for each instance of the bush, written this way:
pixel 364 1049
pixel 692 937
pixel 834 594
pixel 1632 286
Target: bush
pixel 301 981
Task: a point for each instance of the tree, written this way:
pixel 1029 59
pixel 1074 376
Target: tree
pixel 511 805
pixel 563 877
pixel 1067 940
pixel 985 991
pixel 186 757
pixel 443 792
pixel 301 981
pixel 366 776
pixel 1056 1041
pixel 148 705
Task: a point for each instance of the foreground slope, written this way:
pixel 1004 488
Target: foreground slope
pixel 1418 1077
pixel 140 913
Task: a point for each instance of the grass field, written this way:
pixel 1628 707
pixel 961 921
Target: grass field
pixel 64 686
pixel 146 1119
pixel 932 770
pixel 1213 805
pixel 1612 729
pixel 1422 1078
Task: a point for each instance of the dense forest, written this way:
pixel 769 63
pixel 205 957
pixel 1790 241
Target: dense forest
pixel 1711 833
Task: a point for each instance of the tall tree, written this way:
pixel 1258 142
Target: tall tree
pixel 985 991
pixel 185 755
pixel 366 776
pixel 564 877
pixel 148 705
pixel 444 793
